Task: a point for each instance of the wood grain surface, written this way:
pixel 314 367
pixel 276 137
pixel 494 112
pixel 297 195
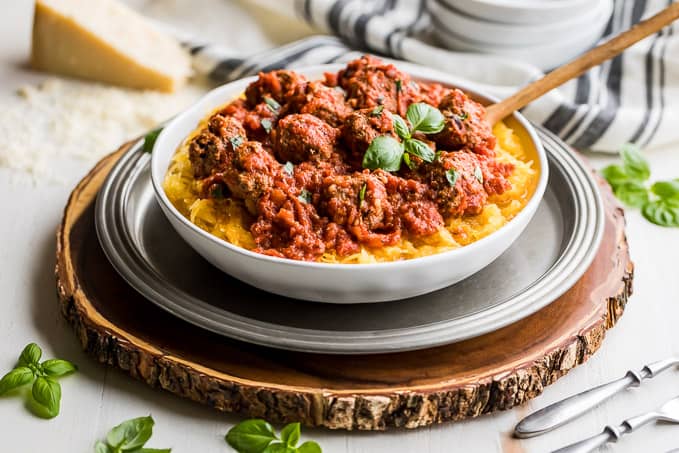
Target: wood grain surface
pixel 493 372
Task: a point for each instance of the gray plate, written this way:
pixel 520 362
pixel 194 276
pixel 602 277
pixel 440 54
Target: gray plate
pixel 548 258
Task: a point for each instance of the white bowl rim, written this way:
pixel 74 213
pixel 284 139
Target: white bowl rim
pixel 537 5
pixel 418 72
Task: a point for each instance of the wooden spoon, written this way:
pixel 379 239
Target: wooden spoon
pixel 597 55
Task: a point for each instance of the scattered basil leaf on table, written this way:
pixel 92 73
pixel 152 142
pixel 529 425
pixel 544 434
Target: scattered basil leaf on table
pixel 130 436
pixel 258 436
pixel 45 391
pixel 659 203
pixel 150 140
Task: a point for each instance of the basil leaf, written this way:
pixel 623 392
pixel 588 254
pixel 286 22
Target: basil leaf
pixel 266 124
pixel 635 164
pixel 666 189
pixel 150 140
pixel 290 434
pixel 251 436
pixel 451 176
pixel 409 163
pixel 632 193
pixel 131 434
pixel 419 149
pixel 47 393
pixel 16 378
pixel 309 447
pixel 384 152
pixel 272 104
pixel 377 111
pixel 661 213
pixel 478 174
pixel 614 175
pixel 57 367
pixel 279 448
pixel 425 118
pixel 401 127
pixel 289 168
pixel 101 447
pixel 30 355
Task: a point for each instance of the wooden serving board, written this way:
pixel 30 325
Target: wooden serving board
pixel 493 372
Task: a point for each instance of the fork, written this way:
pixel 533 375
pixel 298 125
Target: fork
pixel 668 412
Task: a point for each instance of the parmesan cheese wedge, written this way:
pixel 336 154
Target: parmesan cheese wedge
pixel 106 41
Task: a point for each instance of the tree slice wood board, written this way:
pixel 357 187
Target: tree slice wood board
pixel 496 371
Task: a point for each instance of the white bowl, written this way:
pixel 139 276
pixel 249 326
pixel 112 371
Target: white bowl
pixel 322 282
pixel 521 11
pixel 502 34
pixel 545 54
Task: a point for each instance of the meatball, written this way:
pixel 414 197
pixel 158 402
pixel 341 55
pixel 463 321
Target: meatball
pixel 370 82
pixel 277 85
pixel 465 125
pixel 416 207
pixel 467 196
pixel 303 137
pixel 360 203
pixel 361 127
pixel 210 151
pixel 321 101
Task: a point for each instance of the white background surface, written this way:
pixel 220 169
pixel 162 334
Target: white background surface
pixel 96 398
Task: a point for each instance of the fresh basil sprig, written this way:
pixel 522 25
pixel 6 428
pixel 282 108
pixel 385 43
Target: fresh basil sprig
pixel 659 203
pixel 258 436
pixel 46 391
pixel 386 152
pixel 130 437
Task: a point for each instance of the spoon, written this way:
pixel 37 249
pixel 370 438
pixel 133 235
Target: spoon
pixel 668 412
pixel 595 56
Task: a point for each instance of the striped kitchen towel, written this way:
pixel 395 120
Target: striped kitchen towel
pixel 631 98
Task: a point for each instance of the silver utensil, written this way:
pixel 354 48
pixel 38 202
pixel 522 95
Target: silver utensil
pixel 563 411
pixel 668 412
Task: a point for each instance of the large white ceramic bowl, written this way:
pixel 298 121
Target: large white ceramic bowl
pixel 336 283
pixel 502 34
pixel 521 11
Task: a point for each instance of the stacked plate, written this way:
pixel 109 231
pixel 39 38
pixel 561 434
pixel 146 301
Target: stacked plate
pixel 545 33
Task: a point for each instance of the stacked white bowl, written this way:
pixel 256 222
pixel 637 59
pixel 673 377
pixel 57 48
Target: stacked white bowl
pixel 545 33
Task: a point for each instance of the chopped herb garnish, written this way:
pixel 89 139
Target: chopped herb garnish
pixel 361 195
pixel 272 104
pixel 463 116
pixel 380 100
pixel 437 156
pixel 451 176
pixel 266 124
pixel 236 141
pixel 150 140
pixel 399 85
pixel 289 168
pixel 478 174
pixel 377 111
pixel 305 196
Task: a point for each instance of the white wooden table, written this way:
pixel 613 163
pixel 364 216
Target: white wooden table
pixel 95 399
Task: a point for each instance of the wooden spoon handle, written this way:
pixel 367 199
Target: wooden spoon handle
pixel 595 56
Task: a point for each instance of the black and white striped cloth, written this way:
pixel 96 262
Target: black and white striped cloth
pixel 631 98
